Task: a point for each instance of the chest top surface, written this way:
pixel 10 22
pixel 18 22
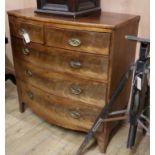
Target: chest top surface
pixel 107 20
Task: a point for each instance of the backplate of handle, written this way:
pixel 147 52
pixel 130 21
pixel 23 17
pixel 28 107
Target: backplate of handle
pixel 30 95
pixel 75 114
pixel 28 73
pixel 75 64
pixel 25 51
pixel 75 42
pixel 75 89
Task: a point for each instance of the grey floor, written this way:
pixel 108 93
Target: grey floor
pixel 27 134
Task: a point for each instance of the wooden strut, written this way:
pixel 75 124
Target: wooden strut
pixel 111 119
pixel 116 118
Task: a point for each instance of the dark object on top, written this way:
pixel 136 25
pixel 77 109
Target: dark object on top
pixel 69 7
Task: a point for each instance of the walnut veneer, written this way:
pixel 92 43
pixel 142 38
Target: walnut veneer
pixel 71 66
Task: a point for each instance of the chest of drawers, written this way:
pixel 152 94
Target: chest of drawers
pixel 71 66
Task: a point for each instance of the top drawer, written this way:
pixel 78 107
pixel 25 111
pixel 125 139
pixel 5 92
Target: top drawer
pixel 33 28
pixel 86 41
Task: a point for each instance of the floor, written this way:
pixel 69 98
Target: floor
pixel 27 134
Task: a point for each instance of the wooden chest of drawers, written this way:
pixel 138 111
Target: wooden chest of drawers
pixel 71 66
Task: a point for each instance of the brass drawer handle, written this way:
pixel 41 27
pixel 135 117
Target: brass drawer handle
pixel 25 51
pixel 75 64
pixel 75 114
pixel 28 73
pixel 22 31
pixel 24 34
pixel 75 42
pixel 30 95
pixel 75 89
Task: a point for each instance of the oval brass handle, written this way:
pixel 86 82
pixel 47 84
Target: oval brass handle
pixel 30 95
pixel 25 36
pixel 25 51
pixel 75 114
pixel 75 42
pixel 75 64
pixel 28 73
pixel 75 89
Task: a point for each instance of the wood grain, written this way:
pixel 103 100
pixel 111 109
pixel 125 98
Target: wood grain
pixel 91 92
pixel 91 42
pixel 58 110
pixel 91 66
pixel 122 51
pixel 104 22
pixel 33 28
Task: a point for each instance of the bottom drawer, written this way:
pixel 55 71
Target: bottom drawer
pixel 59 111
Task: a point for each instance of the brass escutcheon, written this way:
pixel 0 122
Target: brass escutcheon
pixel 75 89
pixel 75 42
pixel 75 64
pixel 75 114
pixel 28 73
pixel 30 95
pixel 25 51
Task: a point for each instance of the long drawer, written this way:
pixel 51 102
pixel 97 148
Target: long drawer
pixel 90 92
pixel 64 112
pixel 33 28
pixel 85 41
pixel 81 64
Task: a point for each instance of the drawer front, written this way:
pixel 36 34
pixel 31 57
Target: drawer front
pixel 92 42
pixel 82 64
pixel 19 27
pixel 87 91
pixel 66 113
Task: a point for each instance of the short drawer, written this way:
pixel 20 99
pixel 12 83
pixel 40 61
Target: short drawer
pixel 32 28
pixel 80 64
pixel 66 113
pixel 85 41
pixel 70 87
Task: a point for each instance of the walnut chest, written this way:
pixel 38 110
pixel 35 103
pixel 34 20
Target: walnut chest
pixel 70 67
